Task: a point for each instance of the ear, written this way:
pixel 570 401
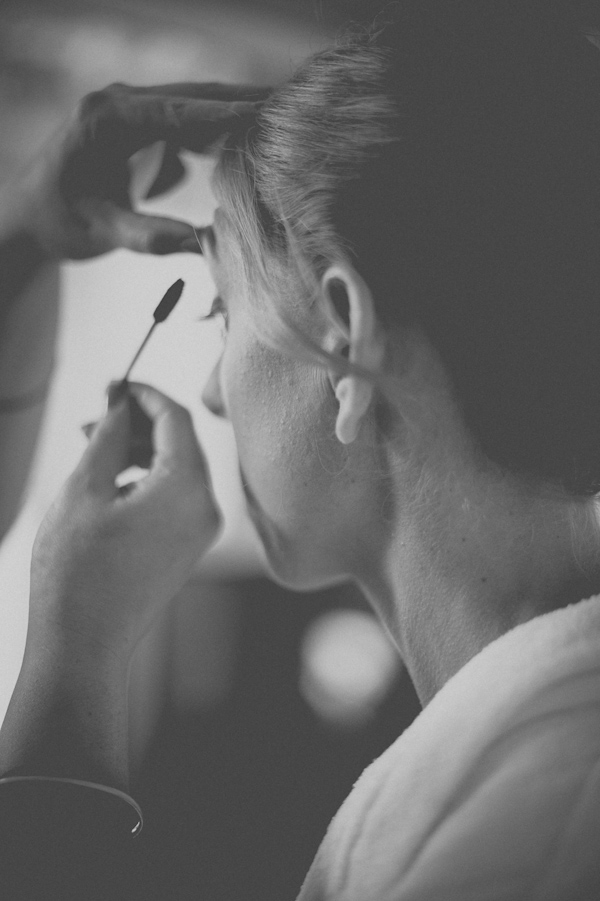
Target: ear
pixel 356 335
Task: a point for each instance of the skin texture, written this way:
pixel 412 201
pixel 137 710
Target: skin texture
pixel 302 485
pixel 451 552
pixel 104 564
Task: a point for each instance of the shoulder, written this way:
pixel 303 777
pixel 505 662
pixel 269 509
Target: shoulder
pixel 494 791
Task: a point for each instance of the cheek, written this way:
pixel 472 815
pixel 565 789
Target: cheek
pixel 283 419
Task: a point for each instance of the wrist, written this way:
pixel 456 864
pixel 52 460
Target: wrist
pixel 67 717
pixel 74 651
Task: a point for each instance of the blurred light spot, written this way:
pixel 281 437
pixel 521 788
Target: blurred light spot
pixel 348 664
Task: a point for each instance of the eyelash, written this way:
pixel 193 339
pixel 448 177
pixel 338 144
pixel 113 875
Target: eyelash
pixel 217 309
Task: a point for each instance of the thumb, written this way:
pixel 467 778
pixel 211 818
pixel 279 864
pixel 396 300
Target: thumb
pixel 107 453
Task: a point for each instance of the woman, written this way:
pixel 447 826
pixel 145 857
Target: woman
pixel 405 254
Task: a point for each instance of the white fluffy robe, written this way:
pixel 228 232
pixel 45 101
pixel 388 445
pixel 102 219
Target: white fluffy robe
pixel 494 791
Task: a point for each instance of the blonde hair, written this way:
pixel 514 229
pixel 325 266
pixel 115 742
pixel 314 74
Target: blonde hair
pixel 453 157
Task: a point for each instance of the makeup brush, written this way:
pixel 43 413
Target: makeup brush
pixel 141 426
pixel 163 310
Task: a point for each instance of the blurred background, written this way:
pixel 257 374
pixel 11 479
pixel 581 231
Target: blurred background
pixel 253 710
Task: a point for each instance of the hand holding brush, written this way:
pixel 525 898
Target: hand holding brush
pixel 141 449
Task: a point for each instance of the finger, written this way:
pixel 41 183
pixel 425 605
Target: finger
pixel 107 452
pixel 173 434
pixel 211 90
pixel 123 121
pixel 141 447
pixel 110 226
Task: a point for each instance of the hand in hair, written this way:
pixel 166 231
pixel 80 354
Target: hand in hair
pixel 74 200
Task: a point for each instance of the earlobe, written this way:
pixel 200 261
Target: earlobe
pixel 350 308
pixel 354 396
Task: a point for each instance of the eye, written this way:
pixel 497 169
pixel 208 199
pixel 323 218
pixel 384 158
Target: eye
pixel 217 308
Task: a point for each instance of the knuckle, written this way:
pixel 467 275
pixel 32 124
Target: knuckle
pixel 98 103
pixel 118 87
pixel 92 104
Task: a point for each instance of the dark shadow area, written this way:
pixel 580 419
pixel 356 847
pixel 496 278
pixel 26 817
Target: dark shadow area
pixel 237 800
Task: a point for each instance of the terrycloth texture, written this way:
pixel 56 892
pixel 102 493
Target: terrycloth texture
pixel 493 792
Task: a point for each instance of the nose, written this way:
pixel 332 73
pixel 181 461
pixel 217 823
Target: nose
pixel 211 396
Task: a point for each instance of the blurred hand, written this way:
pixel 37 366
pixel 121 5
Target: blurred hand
pixel 75 198
pixel 105 563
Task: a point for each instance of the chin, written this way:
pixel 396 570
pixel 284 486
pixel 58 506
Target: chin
pixel 299 580
pixel 289 561
pixel 294 567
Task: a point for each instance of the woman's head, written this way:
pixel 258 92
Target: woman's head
pixel 305 495
pixel 451 157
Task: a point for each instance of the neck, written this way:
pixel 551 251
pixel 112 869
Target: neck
pixel 474 559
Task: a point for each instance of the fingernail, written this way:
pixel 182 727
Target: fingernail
pixel 116 391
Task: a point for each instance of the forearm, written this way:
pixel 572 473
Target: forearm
pixel 69 833
pixel 66 836
pixel 22 254
pixel 68 716
pixel 29 289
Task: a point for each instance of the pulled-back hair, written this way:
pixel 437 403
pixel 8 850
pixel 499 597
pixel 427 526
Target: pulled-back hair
pixel 453 155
